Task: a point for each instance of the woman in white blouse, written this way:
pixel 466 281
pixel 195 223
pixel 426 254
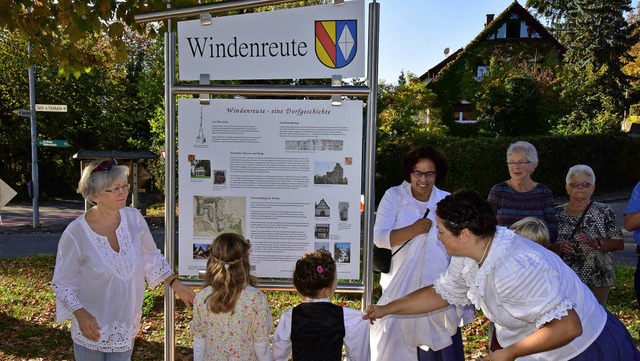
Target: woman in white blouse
pixel 541 309
pixel 103 259
pixel 405 224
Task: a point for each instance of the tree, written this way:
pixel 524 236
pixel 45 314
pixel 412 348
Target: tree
pixel 597 37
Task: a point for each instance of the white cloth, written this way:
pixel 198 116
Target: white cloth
pixel 521 286
pixel 356 338
pixel 89 274
pixel 416 265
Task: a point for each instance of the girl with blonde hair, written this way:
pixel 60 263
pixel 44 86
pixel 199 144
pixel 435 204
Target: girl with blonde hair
pixel 231 317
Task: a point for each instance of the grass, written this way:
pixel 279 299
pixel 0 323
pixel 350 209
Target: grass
pixel 28 330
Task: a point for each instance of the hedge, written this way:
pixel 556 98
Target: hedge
pixel 479 163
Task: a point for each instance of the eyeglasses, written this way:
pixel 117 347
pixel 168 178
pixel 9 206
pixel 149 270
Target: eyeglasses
pixel 105 165
pixel 418 174
pixel 121 189
pixel 519 163
pixel 580 185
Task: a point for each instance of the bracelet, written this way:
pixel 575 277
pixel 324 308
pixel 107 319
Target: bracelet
pixel 171 282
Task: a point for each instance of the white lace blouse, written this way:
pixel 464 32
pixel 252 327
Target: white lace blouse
pixel 110 285
pixel 521 286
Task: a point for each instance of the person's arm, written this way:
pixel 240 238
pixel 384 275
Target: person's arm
pixel 262 329
pixel 550 217
pixel 385 235
pixel 632 221
pixel 156 267
pixel 282 337
pixel 554 334
pixel 423 300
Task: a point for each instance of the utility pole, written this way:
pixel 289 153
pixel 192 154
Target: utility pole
pixel 34 144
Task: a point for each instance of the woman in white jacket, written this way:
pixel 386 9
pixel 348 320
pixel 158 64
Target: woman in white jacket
pixel 404 225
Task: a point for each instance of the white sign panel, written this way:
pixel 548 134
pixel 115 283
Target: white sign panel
pixel 286 174
pixel 6 193
pixel 51 108
pixel 300 43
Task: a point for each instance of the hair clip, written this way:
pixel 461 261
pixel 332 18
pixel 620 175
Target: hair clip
pixel 320 269
pixel 226 265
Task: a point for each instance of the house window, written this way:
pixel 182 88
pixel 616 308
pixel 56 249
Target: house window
pixel 513 27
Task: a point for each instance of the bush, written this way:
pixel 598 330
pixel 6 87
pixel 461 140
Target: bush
pixel 479 163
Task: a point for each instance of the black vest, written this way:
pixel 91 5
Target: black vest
pixel 317 332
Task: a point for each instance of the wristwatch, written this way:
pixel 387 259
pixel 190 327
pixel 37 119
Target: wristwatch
pixel 599 244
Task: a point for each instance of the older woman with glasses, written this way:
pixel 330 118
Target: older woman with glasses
pixel 521 196
pixel 405 224
pixel 588 232
pixel 103 260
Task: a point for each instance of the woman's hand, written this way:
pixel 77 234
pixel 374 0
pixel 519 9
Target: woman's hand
pixel 185 293
pixel 422 225
pixel 585 239
pixel 88 324
pixel 499 355
pixel 562 247
pixel 373 312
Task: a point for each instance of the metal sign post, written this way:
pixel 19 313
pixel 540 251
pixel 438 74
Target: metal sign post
pixel 35 188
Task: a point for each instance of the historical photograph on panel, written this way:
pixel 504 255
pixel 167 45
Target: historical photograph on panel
pixel 325 246
pixel 322 231
pixel 219 176
pixel 322 209
pixel 215 215
pixel 328 173
pixel 201 250
pixel 314 144
pixel 200 168
pixel 343 210
pixel 342 252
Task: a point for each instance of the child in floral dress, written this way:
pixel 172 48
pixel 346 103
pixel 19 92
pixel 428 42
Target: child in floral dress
pixel 316 329
pixel 231 318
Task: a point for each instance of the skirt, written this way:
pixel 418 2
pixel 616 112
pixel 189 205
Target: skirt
pixel 614 344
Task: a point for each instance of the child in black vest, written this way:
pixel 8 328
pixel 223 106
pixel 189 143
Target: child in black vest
pixel 316 329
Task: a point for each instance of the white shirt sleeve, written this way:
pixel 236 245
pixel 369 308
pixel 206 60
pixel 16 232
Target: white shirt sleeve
pixel 282 337
pixel 65 282
pixel 386 215
pixel 451 286
pixel 356 339
pixel 156 267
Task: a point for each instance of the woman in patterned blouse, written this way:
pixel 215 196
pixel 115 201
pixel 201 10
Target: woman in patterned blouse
pixel 585 246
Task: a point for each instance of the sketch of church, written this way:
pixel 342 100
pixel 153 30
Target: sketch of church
pixel 322 209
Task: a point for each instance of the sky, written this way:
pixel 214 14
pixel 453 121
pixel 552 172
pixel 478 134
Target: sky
pixel 414 33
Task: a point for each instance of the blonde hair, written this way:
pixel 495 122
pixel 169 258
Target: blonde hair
pixel 228 272
pixel 533 228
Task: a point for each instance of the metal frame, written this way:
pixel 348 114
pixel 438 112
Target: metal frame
pixel 172 88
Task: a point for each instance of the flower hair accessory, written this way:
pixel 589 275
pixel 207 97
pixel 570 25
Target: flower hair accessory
pixel 226 264
pixel 320 269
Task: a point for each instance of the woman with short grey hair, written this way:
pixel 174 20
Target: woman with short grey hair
pixel 103 260
pixel 587 232
pixel 521 196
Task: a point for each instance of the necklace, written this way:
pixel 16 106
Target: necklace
pixel 486 248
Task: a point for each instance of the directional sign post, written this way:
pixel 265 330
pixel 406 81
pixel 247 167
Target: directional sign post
pixel 51 108
pixel 24 113
pixel 53 143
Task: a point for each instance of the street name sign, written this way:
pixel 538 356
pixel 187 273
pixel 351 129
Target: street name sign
pixel 53 143
pixel 24 112
pixel 310 42
pixel 51 108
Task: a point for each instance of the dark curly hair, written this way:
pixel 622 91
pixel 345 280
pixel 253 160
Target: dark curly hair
pixel 314 271
pixel 424 152
pixel 466 209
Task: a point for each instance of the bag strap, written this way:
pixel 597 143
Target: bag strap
pixel 575 229
pixel 426 213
